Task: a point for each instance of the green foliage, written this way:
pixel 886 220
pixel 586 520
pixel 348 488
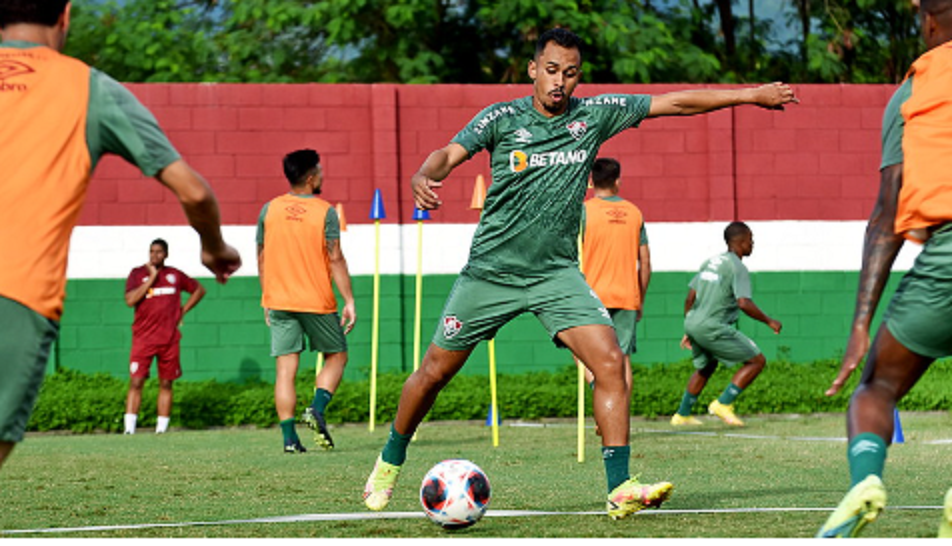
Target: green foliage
pixel 72 401
pixel 482 41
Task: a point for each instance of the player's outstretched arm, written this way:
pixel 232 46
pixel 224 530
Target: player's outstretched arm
pixel 750 309
pixel 341 276
pixel 881 245
pixel 201 208
pixel 437 166
pixel 688 103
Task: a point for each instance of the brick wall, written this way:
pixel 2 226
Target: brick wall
pixel 817 160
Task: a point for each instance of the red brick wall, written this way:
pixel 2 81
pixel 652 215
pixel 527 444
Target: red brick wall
pixel 817 160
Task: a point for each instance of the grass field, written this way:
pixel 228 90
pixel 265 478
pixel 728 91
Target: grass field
pixel 155 485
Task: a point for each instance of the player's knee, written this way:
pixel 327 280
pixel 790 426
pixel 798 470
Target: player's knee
pixel 759 361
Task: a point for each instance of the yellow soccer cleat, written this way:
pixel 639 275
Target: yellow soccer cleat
pixel 725 413
pixel 860 506
pixel 631 497
pixel 945 528
pixel 679 420
pixel 380 485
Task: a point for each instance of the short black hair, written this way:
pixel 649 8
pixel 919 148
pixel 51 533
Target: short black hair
pixel 934 7
pixel 561 36
pixel 605 172
pixel 160 242
pixel 36 12
pixel 735 230
pixel 299 164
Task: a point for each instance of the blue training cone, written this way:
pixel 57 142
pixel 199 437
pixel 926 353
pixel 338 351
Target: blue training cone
pixel 377 211
pixel 489 417
pixel 420 214
pixel 898 437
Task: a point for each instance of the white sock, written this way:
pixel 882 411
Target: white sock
pixel 130 421
pixel 162 425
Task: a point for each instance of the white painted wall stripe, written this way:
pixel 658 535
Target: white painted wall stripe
pixel 110 252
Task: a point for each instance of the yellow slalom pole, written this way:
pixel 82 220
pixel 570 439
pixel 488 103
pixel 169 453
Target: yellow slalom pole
pixel 375 331
pixel 581 413
pixel 418 303
pixel 581 383
pixel 479 198
pixel 492 390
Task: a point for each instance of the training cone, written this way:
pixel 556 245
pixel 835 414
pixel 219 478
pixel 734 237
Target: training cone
pixel 898 437
pixel 340 216
pixel 420 215
pixel 489 417
pixel 479 194
pixel 376 209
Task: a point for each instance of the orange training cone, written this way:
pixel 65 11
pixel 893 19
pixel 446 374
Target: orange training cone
pixel 340 216
pixel 479 193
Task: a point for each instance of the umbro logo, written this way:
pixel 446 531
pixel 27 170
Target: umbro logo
pixel 523 136
pixel 864 446
pixel 10 69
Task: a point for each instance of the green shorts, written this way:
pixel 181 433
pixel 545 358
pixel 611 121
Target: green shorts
pixel 920 313
pixel 478 307
pixel 288 329
pixel 717 342
pixel 25 341
pixel 625 321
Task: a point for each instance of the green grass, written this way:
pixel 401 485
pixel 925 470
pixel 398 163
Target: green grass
pixel 61 481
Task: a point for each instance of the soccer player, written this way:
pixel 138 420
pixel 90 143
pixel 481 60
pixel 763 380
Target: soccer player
pixel 914 203
pixel 523 256
pixel 299 254
pixel 616 259
pixel 716 295
pixel 59 118
pixel 155 291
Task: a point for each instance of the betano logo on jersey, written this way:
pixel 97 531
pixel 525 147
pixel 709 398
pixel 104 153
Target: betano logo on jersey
pixel 520 161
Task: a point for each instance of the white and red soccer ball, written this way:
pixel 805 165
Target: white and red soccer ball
pixel 455 494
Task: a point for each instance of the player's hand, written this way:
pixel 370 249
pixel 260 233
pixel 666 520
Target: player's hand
pixel 267 317
pixel 423 194
pixel 685 342
pixel 638 315
pixel 151 268
pixel 348 317
pixel 774 325
pixel 774 95
pixel 856 349
pixel 223 263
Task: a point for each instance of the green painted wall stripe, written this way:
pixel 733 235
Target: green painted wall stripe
pixel 225 337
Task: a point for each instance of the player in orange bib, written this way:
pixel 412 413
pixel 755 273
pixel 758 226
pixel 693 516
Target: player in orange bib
pixel 915 202
pixel 59 117
pixel 299 254
pixel 616 259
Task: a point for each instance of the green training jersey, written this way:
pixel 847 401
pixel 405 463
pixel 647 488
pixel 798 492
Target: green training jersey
pixel 540 166
pixel 722 280
pixel 894 125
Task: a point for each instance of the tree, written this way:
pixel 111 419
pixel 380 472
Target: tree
pixel 489 41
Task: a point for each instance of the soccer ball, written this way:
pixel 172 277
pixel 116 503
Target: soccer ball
pixel 455 494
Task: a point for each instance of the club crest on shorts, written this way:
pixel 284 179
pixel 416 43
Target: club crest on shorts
pixel 451 326
pixel 133 367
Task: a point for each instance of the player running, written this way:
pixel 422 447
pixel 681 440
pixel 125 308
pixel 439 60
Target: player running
pixel 59 118
pixel 524 255
pixel 717 294
pixel 914 203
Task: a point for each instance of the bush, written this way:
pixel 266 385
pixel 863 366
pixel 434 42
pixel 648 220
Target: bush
pixel 81 403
